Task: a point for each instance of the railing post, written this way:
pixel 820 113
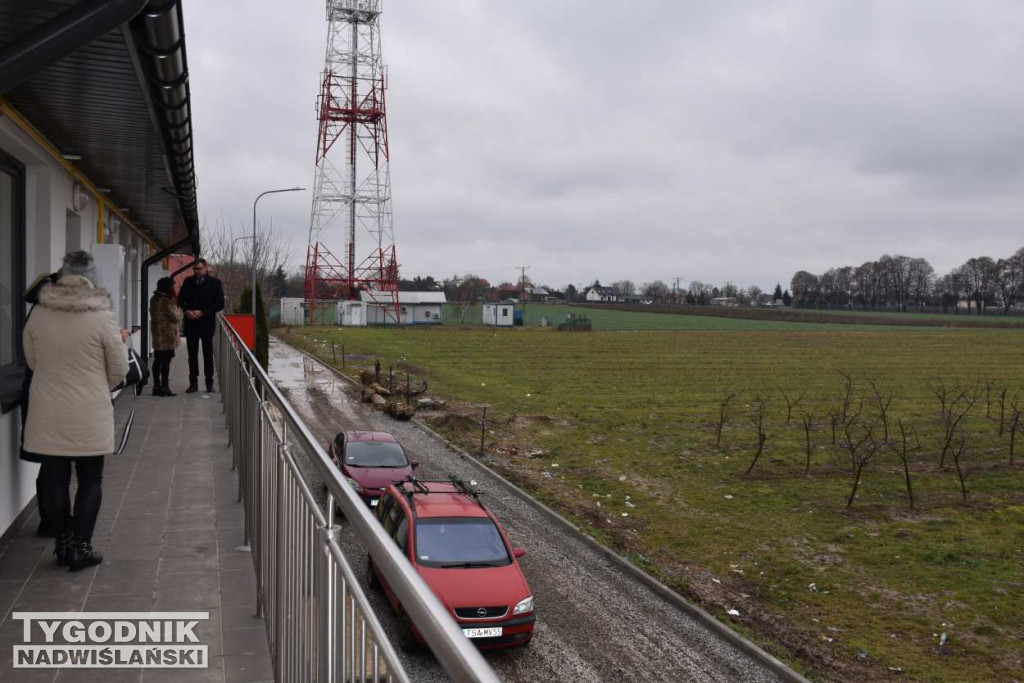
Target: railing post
pixel 280 610
pixel 327 603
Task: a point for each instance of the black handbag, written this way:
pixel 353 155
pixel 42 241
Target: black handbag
pixel 12 384
pixel 136 377
pixel 138 372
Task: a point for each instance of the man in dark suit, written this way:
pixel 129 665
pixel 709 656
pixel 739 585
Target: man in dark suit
pixel 201 298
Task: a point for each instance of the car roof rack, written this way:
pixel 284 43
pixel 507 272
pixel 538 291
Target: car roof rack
pixel 417 485
pixel 465 488
pixel 420 486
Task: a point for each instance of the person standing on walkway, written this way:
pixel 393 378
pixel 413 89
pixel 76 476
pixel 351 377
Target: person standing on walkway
pixel 77 355
pixel 165 323
pixel 201 298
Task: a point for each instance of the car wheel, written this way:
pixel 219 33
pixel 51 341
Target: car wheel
pixel 371 575
pixel 406 639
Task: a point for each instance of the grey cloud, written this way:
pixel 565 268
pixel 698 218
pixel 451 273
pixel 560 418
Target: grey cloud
pixel 642 140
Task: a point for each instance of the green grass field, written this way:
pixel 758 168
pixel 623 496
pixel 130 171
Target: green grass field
pixel 616 430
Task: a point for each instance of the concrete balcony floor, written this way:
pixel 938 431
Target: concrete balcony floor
pixel 170 529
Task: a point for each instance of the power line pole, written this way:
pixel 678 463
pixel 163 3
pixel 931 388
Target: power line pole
pixel 522 276
pixel 522 288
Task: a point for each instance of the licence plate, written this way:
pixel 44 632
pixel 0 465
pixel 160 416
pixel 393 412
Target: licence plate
pixel 482 632
pixel 373 502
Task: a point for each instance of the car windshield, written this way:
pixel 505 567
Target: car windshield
pixel 460 542
pixel 375 454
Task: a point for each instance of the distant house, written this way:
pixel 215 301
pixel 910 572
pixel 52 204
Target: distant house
pixel 537 295
pixel 724 301
pixel 501 314
pixel 601 294
pixel 415 308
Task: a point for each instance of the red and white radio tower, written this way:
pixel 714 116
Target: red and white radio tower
pixel 352 187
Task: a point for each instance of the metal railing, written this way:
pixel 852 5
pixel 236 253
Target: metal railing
pixel 319 624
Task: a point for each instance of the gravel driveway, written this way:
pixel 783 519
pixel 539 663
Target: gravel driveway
pixel 594 621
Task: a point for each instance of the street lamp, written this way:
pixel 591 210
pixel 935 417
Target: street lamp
pixel 258 197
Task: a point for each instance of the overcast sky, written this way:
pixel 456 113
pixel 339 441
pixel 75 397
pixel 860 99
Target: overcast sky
pixel 644 139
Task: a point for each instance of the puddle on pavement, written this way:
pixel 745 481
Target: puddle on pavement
pixel 308 385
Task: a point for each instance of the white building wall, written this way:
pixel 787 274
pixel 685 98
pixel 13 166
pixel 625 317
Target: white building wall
pixel 499 315
pixel 422 314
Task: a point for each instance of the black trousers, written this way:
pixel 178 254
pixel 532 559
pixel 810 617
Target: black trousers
pixel 192 344
pixel 162 367
pixel 55 474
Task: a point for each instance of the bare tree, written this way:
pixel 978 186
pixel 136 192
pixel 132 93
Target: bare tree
pixel 846 399
pixel 1008 278
pixel 723 407
pixel 958 451
pixel 838 413
pixel 942 395
pixel 834 418
pixel 228 246
pixel 882 402
pixel 859 442
pixel 759 418
pixel 903 450
pixel 1015 411
pixel 624 289
pixel 989 386
pixel 807 419
pixel 656 291
pixel 790 403
pixel 1002 410
pixel 956 404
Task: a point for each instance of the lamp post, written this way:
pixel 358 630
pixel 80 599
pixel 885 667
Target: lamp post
pixel 254 243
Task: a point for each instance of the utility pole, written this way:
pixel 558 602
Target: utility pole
pixel 522 277
pixel 522 287
pixel 678 278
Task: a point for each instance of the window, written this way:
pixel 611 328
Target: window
pixel 504 313
pixel 460 542
pixel 393 519
pixel 384 508
pixel 12 257
pixel 426 314
pixel 375 454
pixel 402 535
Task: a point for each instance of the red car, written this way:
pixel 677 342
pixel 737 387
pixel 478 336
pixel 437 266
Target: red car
pixel 461 551
pixel 370 462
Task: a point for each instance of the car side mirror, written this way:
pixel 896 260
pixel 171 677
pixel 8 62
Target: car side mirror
pixel 414 463
pixel 518 552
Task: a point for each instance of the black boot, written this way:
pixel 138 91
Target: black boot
pixel 83 556
pixel 192 388
pixel 158 390
pixel 209 386
pixel 62 550
pixel 167 390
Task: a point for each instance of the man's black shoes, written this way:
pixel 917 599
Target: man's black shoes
pixel 192 388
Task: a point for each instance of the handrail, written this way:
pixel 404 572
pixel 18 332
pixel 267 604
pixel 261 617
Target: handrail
pixel 284 522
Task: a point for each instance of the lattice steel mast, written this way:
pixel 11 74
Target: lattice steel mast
pixel 352 185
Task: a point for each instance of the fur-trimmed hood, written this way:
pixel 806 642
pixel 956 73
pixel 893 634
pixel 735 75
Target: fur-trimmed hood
pixel 74 294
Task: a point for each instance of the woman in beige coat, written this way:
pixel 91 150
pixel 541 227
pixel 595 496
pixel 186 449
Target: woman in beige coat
pixel 77 356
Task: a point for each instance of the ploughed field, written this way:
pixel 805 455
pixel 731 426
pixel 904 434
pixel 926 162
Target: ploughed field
pixel 618 431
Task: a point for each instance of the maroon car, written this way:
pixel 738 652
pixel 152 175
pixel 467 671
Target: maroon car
pixel 370 462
